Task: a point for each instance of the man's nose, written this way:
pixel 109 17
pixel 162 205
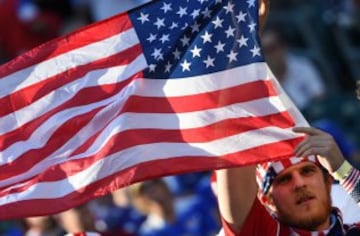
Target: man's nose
pixel 298 180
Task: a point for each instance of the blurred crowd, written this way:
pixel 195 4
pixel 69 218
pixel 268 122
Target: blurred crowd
pixel 313 49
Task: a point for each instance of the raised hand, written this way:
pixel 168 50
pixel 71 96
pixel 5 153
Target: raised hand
pixel 322 144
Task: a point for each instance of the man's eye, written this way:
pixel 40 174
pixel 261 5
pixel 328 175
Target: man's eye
pixel 282 179
pixel 308 170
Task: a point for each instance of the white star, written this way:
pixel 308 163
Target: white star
pixel 185 65
pixel 166 7
pixel 195 13
pixel 168 67
pixel 230 32
pixel 143 17
pixel 219 47
pixel 232 56
pixel 218 1
pixel 251 3
pixel 242 41
pixel 252 26
pixel 174 25
pixel 185 41
pixel 209 62
pixel 182 11
pixel 206 37
pixel 176 54
pixel 152 67
pixel 241 17
pixel 159 23
pixel 164 38
pixel 157 54
pixel 196 51
pixel 206 13
pixel 195 27
pixel 229 8
pixel 151 38
pixel 218 22
pixel 255 51
pixel 202 1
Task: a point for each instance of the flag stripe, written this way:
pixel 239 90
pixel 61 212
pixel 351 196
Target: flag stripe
pixel 13 152
pixel 122 159
pixel 98 32
pixel 64 95
pixel 228 127
pixel 204 83
pixel 31 94
pixel 202 101
pixel 64 62
pixel 82 97
pixel 154 88
pixel 175 122
pixel 43 206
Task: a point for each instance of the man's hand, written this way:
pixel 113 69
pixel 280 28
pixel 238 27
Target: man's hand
pixel 323 145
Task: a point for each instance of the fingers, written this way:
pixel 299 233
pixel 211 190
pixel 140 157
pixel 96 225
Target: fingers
pixel 317 142
pixel 322 144
pixel 313 146
pixel 308 130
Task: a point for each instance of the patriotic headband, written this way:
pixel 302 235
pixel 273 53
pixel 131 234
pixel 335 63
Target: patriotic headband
pixel 266 172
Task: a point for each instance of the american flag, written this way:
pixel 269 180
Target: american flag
pixel 167 88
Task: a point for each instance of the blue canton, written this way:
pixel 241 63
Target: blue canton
pixel 184 38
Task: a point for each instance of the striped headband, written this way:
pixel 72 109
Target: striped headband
pixel 266 172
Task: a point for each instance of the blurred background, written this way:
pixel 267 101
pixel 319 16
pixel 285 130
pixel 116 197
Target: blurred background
pixel 312 47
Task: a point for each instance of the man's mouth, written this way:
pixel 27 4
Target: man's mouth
pixel 304 198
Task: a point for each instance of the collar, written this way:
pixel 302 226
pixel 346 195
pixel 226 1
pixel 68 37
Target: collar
pixel 336 227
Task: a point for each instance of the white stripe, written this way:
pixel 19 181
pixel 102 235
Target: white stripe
pixel 128 121
pixel 203 83
pixel 43 133
pixel 66 92
pixel 198 119
pixel 158 151
pixel 278 166
pixel 289 104
pixel 145 87
pixel 74 58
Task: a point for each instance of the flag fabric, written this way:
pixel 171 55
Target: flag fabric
pixel 167 88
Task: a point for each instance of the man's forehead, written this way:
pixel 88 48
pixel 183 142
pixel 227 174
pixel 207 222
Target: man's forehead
pixel 298 166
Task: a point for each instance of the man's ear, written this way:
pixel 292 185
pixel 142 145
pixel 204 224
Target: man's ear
pixel 267 202
pixel 329 182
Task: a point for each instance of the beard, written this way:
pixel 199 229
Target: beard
pixel 309 222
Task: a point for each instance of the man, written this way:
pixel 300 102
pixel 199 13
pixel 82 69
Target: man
pixel 293 195
pixel 288 197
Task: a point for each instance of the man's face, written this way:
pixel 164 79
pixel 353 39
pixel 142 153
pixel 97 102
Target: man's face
pixel 301 197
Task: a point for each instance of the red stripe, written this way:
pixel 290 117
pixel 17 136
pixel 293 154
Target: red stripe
pixel 98 93
pixel 85 36
pixel 148 170
pixel 138 137
pixel 241 93
pixel 31 157
pixel 29 95
pixel 67 130
pixel 143 104
pixel 351 180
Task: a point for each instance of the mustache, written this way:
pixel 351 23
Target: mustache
pixel 303 195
